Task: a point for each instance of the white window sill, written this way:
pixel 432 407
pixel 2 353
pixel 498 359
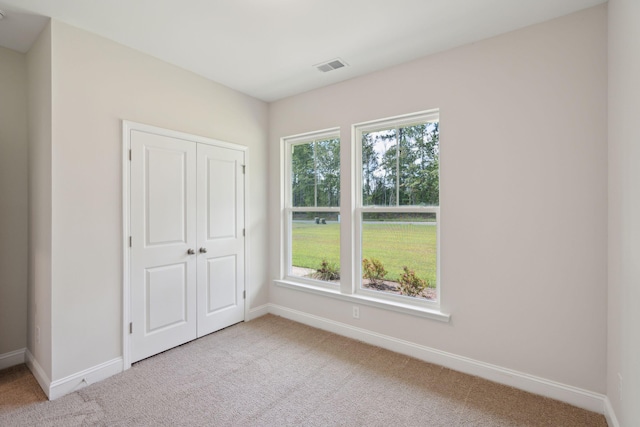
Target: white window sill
pixel 413 310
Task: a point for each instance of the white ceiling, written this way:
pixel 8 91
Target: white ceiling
pixel 267 48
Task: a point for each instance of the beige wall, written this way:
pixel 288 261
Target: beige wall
pixel 523 195
pixel 13 201
pixel 96 84
pixel 39 121
pixel 624 211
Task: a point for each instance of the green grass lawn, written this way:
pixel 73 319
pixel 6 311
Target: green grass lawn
pixel 395 245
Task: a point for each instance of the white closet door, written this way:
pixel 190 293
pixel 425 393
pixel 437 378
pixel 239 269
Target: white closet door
pixel 220 238
pixel 163 228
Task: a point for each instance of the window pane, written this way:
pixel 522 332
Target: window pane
pixel 315 245
pixel 399 253
pixel 400 166
pixel 419 165
pixel 315 174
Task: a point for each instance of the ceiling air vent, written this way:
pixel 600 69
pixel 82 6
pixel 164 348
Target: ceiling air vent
pixel 331 65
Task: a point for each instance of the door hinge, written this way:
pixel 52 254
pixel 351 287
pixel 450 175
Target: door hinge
pixel 243 232
pixel 131 327
pixel 130 240
pixel 129 155
pixel 243 168
pixel 244 294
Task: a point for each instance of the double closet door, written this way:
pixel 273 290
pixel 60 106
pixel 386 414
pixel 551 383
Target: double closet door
pixel 187 240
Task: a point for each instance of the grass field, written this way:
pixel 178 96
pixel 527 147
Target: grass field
pixel 395 244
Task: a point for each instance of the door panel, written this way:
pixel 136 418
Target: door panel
pixel 163 228
pixel 222 204
pixel 166 296
pixel 221 272
pixel 220 238
pixel 165 194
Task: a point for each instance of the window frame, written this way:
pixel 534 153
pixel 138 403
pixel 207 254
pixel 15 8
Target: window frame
pixel 351 211
pixel 359 209
pixel 287 144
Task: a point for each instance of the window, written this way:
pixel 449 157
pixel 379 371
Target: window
pixel 397 207
pixel 392 215
pixel 313 207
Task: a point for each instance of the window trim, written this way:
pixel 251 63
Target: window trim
pixel 385 304
pixel 351 209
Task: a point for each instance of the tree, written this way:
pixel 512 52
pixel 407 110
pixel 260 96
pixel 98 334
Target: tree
pixel 420 173
pixel 369 166
pixel 302 175
pixel 328 172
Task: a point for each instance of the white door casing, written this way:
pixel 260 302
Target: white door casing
pixel 220 238
pixel 181 193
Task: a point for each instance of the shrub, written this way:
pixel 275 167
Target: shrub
pixel 373 270
pixel 410 284
pixel 327 271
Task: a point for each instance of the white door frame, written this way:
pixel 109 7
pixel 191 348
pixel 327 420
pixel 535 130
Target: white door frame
pixel 127 127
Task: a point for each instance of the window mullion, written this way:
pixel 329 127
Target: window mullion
pixel 397 167
pixel 315 174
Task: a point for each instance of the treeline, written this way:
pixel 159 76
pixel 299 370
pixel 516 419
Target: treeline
pixel 315 174
pixel 399 167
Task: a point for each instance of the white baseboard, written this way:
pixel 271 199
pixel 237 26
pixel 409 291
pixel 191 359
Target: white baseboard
pixel 259 311
pixel 58 388
pixel 84 378
pixel 12 358
pixel 573 395
pixel 610 414
pixel 38 372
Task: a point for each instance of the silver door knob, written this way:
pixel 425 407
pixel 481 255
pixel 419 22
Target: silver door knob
pixel 203 250
pixel 191 252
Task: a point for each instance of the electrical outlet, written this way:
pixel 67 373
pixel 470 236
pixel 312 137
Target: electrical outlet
pixel 356 312
pixel 619 386
pixel 37 334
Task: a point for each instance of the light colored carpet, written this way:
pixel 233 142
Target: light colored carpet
pixel 274 372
